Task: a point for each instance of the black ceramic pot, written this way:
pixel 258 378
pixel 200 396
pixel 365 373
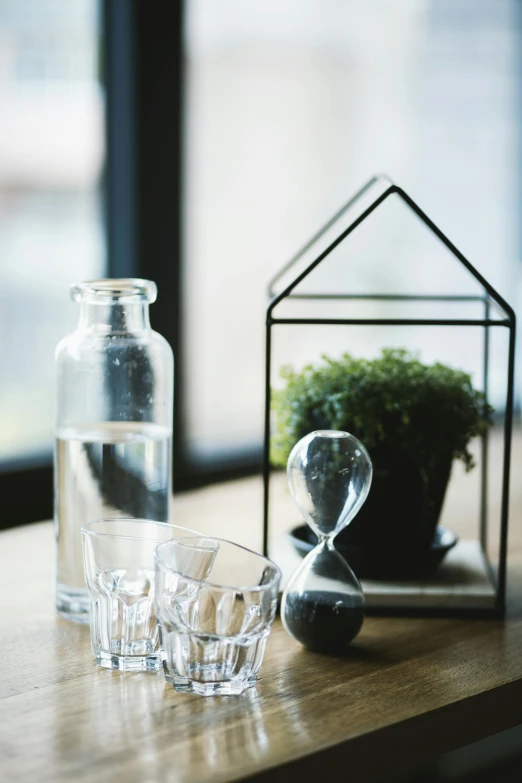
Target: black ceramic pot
pixel 394 535
pixel 375 563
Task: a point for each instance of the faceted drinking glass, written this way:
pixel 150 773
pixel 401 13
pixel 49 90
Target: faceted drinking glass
pixel 119 572
pixel 215 603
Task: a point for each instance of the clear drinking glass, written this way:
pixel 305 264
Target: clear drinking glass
pixel 215 604
pixel 114 423
pixel 119 571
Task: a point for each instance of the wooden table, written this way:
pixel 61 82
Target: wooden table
pixel 409 690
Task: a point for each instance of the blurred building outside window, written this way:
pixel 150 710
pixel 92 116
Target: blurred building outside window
pixel 290 107
pixel 51 159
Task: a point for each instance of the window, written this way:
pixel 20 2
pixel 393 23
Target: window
pixel 51 158
pixel 290 107
pixel 227 133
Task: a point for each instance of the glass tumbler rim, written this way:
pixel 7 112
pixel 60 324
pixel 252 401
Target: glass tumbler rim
pixel 206 582
pixel 123 290
pixel 87 528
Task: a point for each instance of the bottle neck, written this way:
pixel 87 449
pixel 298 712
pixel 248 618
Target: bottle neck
pixel 114 318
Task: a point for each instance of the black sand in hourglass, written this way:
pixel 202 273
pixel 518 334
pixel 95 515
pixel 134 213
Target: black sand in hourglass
pixel 323 622
pixel 329 474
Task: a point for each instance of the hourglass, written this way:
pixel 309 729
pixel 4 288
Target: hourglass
pixel 329 475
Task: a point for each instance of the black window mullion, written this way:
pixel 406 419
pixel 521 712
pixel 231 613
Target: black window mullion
pixel 144 82
pixel 26 488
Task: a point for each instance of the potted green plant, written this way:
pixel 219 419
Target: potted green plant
pixel 415 420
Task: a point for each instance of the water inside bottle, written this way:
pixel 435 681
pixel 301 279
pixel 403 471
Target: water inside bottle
pixel 110 469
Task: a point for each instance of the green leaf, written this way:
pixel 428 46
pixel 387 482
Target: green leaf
pixel 424 410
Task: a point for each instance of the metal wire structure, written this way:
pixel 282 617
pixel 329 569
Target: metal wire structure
pixel 490 297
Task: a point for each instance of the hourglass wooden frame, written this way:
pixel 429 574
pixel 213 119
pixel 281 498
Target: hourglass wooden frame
pixel 497 314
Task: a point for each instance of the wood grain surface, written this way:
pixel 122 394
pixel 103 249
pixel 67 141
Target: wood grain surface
pixel 408 690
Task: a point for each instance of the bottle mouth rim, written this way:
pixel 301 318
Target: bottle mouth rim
pixel 122 290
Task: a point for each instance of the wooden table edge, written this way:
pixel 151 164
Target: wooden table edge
pixel 368 756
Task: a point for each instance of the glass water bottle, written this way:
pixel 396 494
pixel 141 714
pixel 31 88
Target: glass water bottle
pixel 113 448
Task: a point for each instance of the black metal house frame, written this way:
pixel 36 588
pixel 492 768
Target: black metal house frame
pixel 488 298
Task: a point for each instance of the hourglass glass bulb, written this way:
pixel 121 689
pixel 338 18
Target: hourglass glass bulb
pixel 329 475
